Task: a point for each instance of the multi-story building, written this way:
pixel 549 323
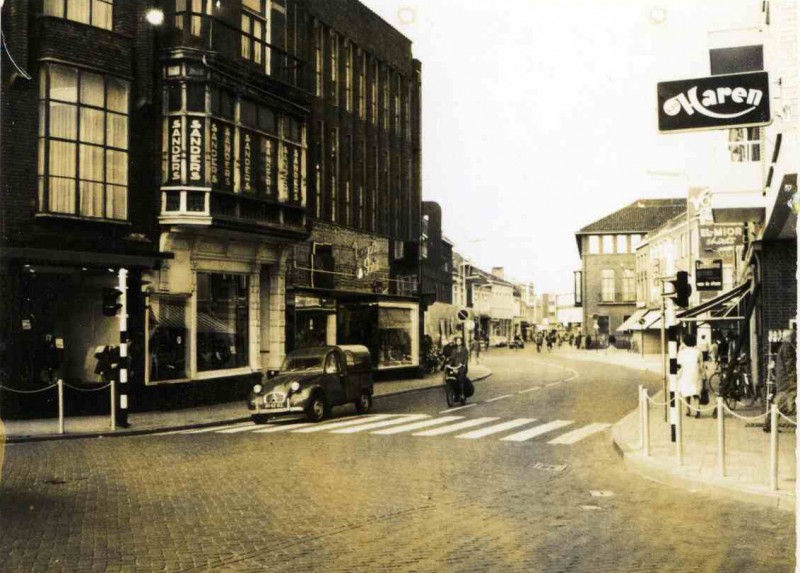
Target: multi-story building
pixel 491 299
pixel 355 280
pixel 459 267
pixel 440 314
pixel 206 160
pixel 753 180
pixel 608 262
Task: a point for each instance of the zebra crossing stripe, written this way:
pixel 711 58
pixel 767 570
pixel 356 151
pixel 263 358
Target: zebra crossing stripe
pixel 475 434
pixel 577 435
pixel 418 425
pixel 247 428
pixel 455 427
pixel 282 428
pixel 349 421
pixel 537 431
pixel 216 428
pixel 499 398
pixel 376 425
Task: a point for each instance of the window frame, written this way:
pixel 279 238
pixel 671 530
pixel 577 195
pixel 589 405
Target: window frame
pixel 64 12
pixel 45 139
pixel 607 285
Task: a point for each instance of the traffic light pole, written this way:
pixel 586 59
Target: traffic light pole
pixel 672 347
pixel 122 413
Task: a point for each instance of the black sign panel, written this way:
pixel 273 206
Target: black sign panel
pixel 708 276
pixel 715 102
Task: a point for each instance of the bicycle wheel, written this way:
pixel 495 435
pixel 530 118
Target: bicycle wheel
pixel 730 401
pixel 747 395
pixel 713 383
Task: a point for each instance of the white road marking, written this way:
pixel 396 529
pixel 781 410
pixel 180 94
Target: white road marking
pixel 376 425
pixel 282 428
pixel 455 427
pixel 349 421
pixel 537 431
pixel 552 384
pixel 534 389
pixel 577 435
pixel 418 425
pixel 601 493
pixel 242 429
pixel 216 428
pixel 459 408
pixel 499 398
pixel 475 434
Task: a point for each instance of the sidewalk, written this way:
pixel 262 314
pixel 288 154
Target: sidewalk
pixel 14 431
pixel 648 362
pixel 747 458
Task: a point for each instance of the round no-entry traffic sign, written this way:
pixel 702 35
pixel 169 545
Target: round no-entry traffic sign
pixel 463 314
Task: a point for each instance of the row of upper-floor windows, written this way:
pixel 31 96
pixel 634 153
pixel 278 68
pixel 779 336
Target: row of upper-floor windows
pixel 99 13
pixel 613 244
pixel 346 75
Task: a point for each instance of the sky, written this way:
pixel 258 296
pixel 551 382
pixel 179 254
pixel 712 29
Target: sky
pixel 539 117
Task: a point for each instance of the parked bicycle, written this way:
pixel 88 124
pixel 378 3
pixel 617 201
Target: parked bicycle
pixel 738 389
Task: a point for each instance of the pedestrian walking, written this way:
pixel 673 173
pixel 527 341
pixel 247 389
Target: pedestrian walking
pixel 785 377
pixel 690 382
pixel 475 350
pixel 578 340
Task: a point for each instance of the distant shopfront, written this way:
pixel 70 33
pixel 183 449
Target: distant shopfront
pixel 387 325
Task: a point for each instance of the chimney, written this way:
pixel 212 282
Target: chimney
pixel 499 272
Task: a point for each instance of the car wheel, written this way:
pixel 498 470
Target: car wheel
pixel 364 403
pixel 259 418
pixel 317 409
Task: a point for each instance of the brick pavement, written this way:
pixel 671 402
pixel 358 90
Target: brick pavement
pixel 748 454
pixel 146 422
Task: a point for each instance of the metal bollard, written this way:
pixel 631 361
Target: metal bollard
pixel 113 405
pixel 679 427
pixel 60 406
pixel 720 437
pixel 773 448
pixel 641 417
pixel 646 422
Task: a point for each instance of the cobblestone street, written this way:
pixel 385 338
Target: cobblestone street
pixel 275 498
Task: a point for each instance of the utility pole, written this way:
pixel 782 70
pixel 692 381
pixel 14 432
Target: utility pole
pixel 122 286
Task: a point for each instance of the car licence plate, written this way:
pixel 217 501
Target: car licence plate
pixel 274 405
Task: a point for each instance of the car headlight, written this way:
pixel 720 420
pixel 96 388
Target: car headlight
pixel 258 388
pixel 295 387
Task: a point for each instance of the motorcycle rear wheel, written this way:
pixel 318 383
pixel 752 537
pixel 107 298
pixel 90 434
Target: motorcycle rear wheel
pixel 450 394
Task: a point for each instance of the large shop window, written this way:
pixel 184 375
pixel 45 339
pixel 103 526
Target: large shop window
pixel 83 143
pixel 222 321
pixel 99 13
pixel 168 338
pixel 395 331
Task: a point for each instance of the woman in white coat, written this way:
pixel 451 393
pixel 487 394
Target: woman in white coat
pixel 690 382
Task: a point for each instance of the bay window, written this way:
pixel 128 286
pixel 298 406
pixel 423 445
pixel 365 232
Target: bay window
pixel 98 13
pixel 83 143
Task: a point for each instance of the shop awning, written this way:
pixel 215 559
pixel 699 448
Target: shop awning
pixel 721 306
pixel 633 321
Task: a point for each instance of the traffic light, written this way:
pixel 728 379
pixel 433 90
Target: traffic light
pixel 108 362
pixel 681 289
pixel 111 302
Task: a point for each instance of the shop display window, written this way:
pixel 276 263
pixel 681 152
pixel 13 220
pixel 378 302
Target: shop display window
pixel 222 321
pixel 395 329
pixel 167 337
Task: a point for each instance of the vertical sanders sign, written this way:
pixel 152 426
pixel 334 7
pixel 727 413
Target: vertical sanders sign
pixel 196 144
pixel 175 155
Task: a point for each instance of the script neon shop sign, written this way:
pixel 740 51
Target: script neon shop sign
pixel 715 102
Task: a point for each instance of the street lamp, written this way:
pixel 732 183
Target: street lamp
pixel 154 16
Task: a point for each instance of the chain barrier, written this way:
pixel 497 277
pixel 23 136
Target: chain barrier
pixel 787 418
pixel 656 402
pixel 735 415
pixel 708 408
pixel 88 389
pixel 6 388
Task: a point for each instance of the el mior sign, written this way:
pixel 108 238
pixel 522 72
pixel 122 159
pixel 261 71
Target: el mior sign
pixel 715 102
